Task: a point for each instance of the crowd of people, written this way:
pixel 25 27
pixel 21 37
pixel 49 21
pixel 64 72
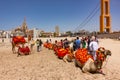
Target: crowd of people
pixel 89 42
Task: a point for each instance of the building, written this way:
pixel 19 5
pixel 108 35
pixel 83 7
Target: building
pixel 47 34
pixel 57 32
pixel 24 27
pixel 37 33
pixel 23 30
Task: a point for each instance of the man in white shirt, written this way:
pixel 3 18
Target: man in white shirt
pixel 93 47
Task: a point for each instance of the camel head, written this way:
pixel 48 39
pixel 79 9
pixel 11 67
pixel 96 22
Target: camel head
pixel 101 57
pixel 107 53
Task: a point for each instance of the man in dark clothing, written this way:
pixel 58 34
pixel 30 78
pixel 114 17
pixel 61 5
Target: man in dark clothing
pixel 88 42
pixel 40 44
pixel 74 45
pixel 66 43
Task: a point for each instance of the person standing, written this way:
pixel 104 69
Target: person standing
pixel 96 39
pixel 78 42
pixel 93 46
pixel 50 41
pixel 3 40
pixel 83 42
pixel 61 43
pixel 74 45
pixel 38 44
pixel 29 38
pixel 66 43
pixel 88 43
pixel 32 43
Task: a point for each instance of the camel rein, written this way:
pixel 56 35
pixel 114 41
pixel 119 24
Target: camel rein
pixel 105 63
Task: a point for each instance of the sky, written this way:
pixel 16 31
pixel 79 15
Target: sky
pixel 46 14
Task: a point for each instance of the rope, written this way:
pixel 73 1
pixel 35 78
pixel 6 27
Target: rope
pixel 89 17
pixel 105 63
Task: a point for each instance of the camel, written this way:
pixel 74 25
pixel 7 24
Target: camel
pixel 19 42
pixel 69 57
pixel 93 66
pixel 16 41
pixel 22 46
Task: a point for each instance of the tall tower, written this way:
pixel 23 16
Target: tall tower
pixel 24 26
pixel 105 18
pixel 57 30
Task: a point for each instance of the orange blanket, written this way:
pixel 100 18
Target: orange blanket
pixel 62 52
pixel 82 55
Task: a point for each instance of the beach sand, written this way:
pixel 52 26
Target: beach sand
pixel 45 65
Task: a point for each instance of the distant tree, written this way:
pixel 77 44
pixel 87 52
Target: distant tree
pixel 54 34
pixel 69 33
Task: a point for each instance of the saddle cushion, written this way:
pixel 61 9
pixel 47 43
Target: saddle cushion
pixel 62 52
pixel 82 55
pixel 18 39
pixel 24 50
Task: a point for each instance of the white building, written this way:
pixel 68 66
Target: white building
pixel 36 33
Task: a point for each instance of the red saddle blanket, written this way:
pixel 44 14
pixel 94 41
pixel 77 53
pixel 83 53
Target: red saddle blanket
pixel 24 50
pixel 18 39
pixel 82 55
pixel 61 52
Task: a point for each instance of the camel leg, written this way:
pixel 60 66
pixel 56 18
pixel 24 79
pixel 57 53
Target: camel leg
pixel 13 48
pixel 89 66
pixel 18 54
pixel 65 59
pixel 76 63
pixel 86 67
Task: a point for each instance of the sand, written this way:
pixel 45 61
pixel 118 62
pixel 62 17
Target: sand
pixel 45 65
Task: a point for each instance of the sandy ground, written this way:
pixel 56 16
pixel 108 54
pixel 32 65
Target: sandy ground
pixel 44 65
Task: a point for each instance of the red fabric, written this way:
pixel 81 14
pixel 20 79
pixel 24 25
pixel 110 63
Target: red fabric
pixel 18 39
pixel 100 56
pixel 45 45
pixel 62 52
pixel 55 49
pixel 25 50
pixel 49 45
pixel 60 44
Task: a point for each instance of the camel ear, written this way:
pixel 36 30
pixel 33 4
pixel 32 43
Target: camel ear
pixel 108 52
pixel 101 49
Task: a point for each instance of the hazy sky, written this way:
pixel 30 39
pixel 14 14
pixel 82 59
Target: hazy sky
pixel 46 14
